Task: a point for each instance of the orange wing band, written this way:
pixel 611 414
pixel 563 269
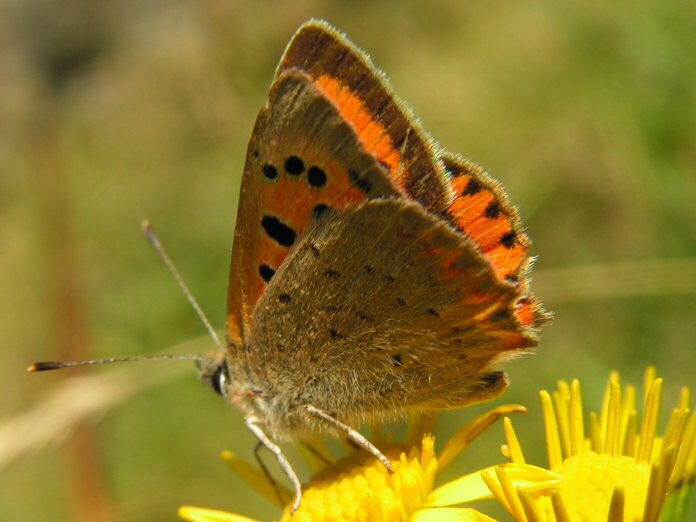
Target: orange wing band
pixel 371 133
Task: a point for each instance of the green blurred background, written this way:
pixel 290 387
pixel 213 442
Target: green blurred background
pixel 111 112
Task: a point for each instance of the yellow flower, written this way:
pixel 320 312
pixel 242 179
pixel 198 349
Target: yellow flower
pixel 359 487
pixel 619 471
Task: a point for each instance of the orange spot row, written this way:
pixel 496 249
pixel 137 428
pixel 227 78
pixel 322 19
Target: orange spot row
pixel 469 215
pixel 488 231
pixel 466 208
pixel 371 133
pixel 507 261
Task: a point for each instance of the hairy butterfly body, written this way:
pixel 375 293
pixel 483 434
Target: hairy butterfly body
pixel 371 273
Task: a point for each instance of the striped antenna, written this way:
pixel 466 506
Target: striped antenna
pixel 50 365
pixel 157 245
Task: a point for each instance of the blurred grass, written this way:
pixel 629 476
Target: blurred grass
pixel 585 111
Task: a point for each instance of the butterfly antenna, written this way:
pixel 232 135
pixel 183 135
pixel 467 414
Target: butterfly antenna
pixel 50 365
pixel 155 242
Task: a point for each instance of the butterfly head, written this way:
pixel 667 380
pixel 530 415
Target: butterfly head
pixel 214 369
pixel 226 380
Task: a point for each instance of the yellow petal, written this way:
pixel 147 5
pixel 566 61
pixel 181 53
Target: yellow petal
pixel 450 515
pixel 561 404
pixel 553 439
pixel 649 425
pixel 685 398
pixel 196 514
pixel 473 429
pixel 688 441
pixel 510 494
pixel 577 427
pixel 531 511
pixel 472 487
pixel 612 435
pixel 513 443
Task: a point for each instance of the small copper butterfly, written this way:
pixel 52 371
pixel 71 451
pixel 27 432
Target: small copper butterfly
pixel 373 274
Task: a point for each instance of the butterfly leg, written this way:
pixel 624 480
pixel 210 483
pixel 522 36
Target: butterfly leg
pixel 353 435
pixel 267 473
pixel 253 424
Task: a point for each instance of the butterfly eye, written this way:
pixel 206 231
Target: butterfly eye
pixel 220 379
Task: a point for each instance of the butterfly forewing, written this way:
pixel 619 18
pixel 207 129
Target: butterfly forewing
pixel 304 160
pixel 364 98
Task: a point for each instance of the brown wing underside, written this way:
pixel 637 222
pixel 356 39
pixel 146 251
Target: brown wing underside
pixel 383 307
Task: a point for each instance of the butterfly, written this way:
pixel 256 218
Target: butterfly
pixel 372 273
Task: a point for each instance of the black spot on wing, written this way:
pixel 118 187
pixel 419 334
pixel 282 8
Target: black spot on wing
pixel 508 240
pixel 335 335
pixel 266 272
pixel 269 171
pixel 294 166
pixel 492 210
pixel 278 231
pixel 365 317
pixel 316 177
pixel 473 187
pixel 359 182
pixel 320 210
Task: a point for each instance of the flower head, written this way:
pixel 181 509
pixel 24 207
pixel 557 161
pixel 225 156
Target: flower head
pixel 616 469
pixel 358 487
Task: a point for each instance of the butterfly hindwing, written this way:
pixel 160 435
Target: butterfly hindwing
pixel 303 160
pixel 482 211
pixel 387 301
